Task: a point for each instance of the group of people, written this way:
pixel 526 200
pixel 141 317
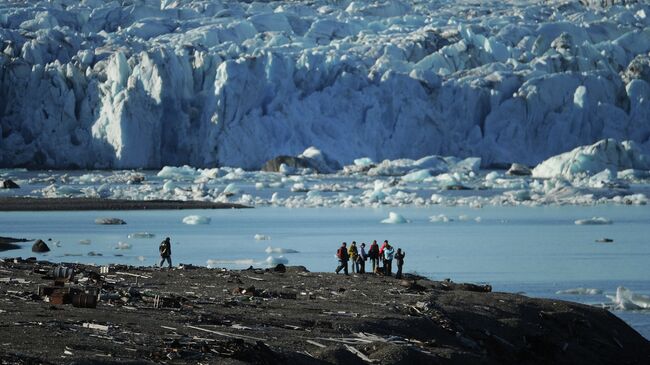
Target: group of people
pixel 381 258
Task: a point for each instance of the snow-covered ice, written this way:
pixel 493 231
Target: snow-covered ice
pixel 147 84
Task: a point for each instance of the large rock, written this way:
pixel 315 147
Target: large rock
pixel 9 184
pixel 109 221
pixel 290 161
pixel 40 246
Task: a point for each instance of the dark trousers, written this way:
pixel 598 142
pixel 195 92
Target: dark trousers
pixel 375 263
pixel 388 267
pixel 362 266
pixel 343 264
pixel 163 258
pixel 399 271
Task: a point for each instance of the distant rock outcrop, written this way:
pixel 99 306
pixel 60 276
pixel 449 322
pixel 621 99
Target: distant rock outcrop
pixel 40 246
pixel 9 184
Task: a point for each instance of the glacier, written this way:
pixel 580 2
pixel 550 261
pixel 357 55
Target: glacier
pixel 153 83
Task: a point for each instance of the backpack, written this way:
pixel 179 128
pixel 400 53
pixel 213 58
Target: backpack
pixel 339 253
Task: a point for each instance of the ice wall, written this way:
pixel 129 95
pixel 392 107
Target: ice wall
pixel 147 83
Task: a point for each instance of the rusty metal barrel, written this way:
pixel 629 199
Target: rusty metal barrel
pixel 62 273
pixel 83 300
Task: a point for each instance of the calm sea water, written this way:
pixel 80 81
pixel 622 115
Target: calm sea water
pixel 537 251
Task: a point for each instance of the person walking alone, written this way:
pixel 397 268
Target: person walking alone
pixel 389 253
pixel 399 257
pixel 165 250
pixel 342 255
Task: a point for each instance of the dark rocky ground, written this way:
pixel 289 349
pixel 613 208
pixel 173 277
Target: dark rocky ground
pixel 296 317
pixel 50 204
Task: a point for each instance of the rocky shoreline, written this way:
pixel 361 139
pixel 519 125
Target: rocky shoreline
pixel 8 204
pixel 290 315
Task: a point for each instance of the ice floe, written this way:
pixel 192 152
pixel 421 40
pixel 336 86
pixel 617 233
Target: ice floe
pixel 580 291
pixel 196 219
pixel 395 218
pixel 269 250
pixel 141 235
pixel 593 221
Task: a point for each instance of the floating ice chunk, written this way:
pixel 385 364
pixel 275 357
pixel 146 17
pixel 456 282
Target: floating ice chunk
pixel 417 176
pixel 633 199
pixel 261 237
pixel 626 299
pixel 109 221
pixel 276 260
pixel 492 176
pixel 260 186
pixel 395 218
pixel 299 188
pixel 123 246
pixel 171 172
pixel 478 219
pixel 141 235
pixel 231 189
pixel 364 161
pixel 141 258
pixel 440 218
pixel 84 242
pixel 196 219
pixel 593 221
pixel 169 186
pixel 588 160
pixel 269 250
pixel 469 164
pixel 464 218
pixel 580 291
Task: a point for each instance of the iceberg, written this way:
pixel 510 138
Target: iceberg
pixel 261 237
pixel 395 218
pixel 196 219
pixel 269 250
pixel 607 154
pixel 141 235
pixel 593 221
pixel 276 260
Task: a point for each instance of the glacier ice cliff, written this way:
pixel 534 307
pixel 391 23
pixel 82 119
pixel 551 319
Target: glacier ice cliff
pixel 149 83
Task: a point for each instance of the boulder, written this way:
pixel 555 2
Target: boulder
pixel 280 268
pixel 40 246
pixel 292 162
pixel 9 184
pixel 114 221
pixel 519 170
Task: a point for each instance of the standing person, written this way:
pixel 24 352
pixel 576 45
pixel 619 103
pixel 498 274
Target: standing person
pixel 373 254
pixel 165 250
pixel 399 257
pixel 389 252
pixel 363 256
pixel 354 255
pixel 342 255
pixel 381 254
